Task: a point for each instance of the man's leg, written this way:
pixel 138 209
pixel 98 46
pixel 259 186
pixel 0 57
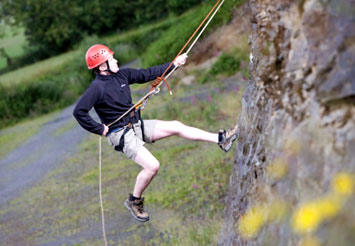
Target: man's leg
pixel 224 138
pixel 150 167
pixel 150 164
pixel 165 129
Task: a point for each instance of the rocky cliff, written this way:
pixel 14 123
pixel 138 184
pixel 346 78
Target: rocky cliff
pixel 293 175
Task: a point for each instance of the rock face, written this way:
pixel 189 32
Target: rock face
pixel 293 175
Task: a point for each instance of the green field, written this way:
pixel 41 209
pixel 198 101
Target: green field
pixel 13 43
pixel 57 82
pixel 37 70
pixel 126 45
pixel 185 200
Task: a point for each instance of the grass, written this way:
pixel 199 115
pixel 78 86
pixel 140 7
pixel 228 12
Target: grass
pixel 68 126
pixel 227 64
pixel 56 82
pixel 124 45
pixel 14 136
pixel 185 200
pixel 167 46
pixel 37 70
pixel 13 42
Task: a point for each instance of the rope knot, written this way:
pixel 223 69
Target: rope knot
pixel 158 81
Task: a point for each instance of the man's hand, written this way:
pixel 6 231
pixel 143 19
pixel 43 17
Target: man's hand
pixel 105 130
pixel 180 60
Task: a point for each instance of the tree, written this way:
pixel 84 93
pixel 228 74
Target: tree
pixel 53 26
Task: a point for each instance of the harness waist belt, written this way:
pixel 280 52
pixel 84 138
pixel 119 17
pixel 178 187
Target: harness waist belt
pixel 114 130
pixel 133 117
pixel 117 129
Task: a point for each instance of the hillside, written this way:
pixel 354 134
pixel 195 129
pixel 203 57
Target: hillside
pixel 54 164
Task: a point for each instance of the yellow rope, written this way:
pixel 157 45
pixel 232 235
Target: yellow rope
pixel 100 191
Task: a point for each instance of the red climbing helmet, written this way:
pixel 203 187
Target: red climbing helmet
pixel 96 55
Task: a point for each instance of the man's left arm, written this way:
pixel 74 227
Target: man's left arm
pixel 141 76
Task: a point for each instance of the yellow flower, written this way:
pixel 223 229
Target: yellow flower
pixel 306 218
pixel 256 217
pixel 343 184
pixel 329 206
pixel 252 221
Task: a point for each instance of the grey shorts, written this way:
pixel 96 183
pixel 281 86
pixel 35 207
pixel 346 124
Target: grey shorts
pixel 133 139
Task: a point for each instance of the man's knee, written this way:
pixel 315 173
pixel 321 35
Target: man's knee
pixel 177 126
pixel 154 167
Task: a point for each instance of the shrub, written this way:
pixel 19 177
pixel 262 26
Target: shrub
pixel 54 26
pixel 172 40
pixel 226 64
pixel 61 86
pixel 54 90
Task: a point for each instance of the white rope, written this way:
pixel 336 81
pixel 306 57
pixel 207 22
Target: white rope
pixel 100 191
pixel 203 29
pixel 198 36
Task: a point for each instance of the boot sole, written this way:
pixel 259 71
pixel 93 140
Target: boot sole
pixel 133 214
pixel 229 146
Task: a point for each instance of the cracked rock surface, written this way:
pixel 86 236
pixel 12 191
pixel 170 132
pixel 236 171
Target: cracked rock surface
pixel 293 175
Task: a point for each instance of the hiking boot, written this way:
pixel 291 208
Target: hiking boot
pixel 227 137
pixel 137 209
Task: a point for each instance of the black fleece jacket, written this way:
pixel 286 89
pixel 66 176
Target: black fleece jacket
pixel 110 95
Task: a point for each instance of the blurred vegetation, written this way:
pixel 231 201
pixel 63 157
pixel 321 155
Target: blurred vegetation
pixel 166 47
pixel 185 200
pixel 227 64
pixel 54 26
pixel 12 42
pixel 59 81
pixel 56 83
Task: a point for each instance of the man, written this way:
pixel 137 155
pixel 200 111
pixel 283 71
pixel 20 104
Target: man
pixel 110 95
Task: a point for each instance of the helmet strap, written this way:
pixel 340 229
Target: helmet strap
pixel 108 68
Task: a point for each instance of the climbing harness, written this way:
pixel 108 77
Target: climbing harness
pixel 156 89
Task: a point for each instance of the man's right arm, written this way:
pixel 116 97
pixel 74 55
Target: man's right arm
pixel 84 105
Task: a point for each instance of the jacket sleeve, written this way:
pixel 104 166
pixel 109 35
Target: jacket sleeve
pixel 141 76
pixel 81 112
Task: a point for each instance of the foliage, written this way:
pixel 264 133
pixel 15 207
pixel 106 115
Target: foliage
pixel 45 94
pixel 138 39
pixel 12 40
pixel 228 64
pixel 58 81
pixel 185 199
pixel 53 26
pixel 168 45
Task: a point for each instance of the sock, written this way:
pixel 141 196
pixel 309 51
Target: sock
pixel 220 137
pixel 132 198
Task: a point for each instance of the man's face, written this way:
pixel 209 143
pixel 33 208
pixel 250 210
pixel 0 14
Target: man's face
pixel 113 64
